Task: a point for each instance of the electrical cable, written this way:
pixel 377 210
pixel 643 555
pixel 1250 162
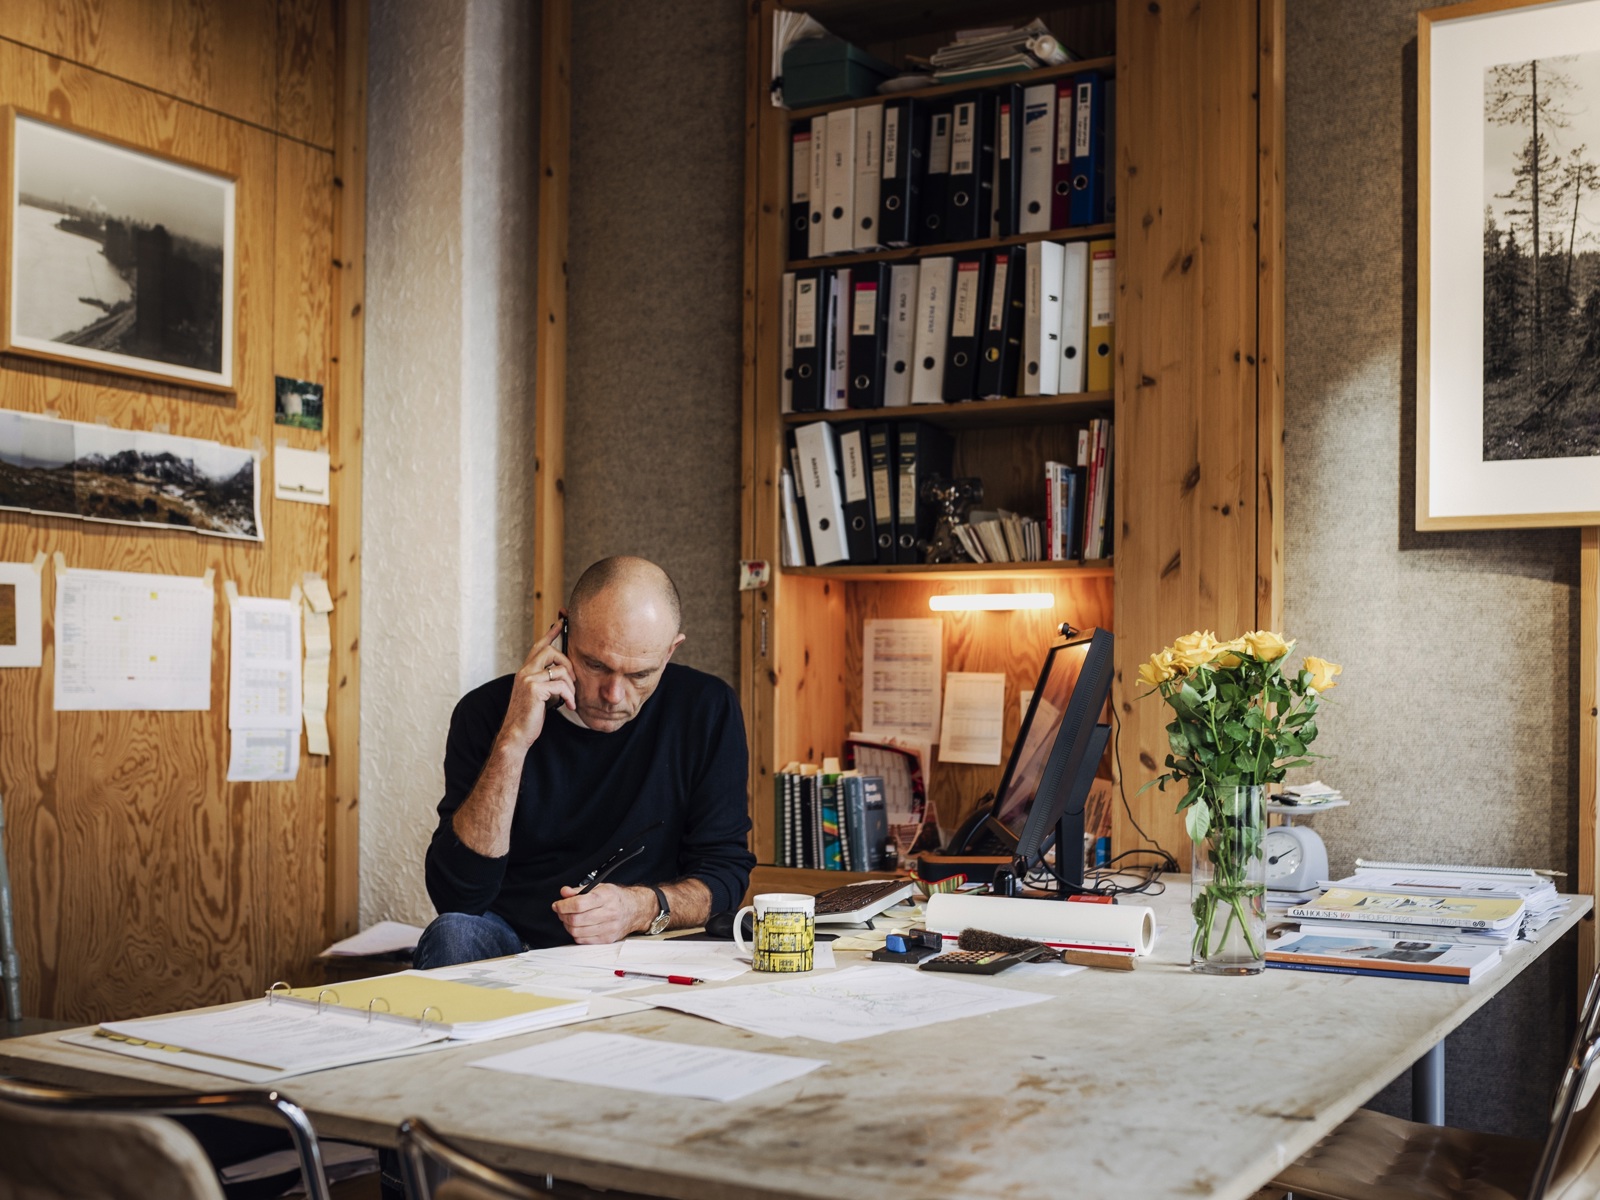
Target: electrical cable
pixel 1122 790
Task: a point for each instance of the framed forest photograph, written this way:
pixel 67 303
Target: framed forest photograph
pixel 1508 265
pixel 118 259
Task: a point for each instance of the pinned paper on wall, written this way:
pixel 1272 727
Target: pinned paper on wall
pixel 974 717
pixel 263 688
pixel 21 621
pixel 319 655
pixel 127 641
pixel 300 475
pixel 903 663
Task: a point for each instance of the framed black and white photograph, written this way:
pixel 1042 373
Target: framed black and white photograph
pixel 119 259
pixel 1508 240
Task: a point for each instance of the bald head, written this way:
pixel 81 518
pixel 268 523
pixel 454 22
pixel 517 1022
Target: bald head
pixel 623 620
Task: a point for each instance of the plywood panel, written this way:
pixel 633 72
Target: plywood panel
pixel 1014 643
pixel 220 54
pixel 144 881
pixel 305 103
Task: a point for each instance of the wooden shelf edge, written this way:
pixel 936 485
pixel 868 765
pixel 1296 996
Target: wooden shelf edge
pixel 1074 233
pixel 1017 410
pixel 957 571
pixel 1107 64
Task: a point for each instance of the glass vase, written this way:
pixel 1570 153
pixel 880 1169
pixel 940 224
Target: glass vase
pixel 1229 885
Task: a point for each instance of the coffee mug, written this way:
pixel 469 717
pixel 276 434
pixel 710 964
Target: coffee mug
pixel 784 931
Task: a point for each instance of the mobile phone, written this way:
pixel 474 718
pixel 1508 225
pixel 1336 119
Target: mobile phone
pixel 556 702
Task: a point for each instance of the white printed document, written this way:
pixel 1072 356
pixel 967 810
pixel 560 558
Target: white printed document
pixel 128 642
pixel 902 668
pixel 842 1006
pixel 264 664
pixel 974 717
pixel 645 1065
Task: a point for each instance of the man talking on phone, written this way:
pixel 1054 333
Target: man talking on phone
pixel 600 791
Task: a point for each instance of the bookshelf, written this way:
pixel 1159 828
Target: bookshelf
pixel 1196 398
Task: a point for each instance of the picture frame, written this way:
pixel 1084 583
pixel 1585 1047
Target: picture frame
pixel 1508 381
pixel 116 258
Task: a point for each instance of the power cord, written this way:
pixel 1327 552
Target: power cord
pixel 1169 863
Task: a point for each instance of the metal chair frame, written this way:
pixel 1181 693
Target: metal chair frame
pixel 419 1143
pixel 304 1137
pixel 10 966
pixel 1581 1059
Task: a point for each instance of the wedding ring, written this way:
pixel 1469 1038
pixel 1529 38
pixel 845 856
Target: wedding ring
pixel 549 673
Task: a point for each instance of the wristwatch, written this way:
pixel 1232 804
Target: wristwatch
pixel 659 925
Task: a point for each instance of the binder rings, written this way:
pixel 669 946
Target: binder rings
pixel 933 330
pixel 816 238
pixel 905 160
pixel 838 209
pixel 869 170
pixel 1102 314
pixel 1041 325
pixel 1088 147
pixel 869 327
pixel 971 184
pixel 1061 162
pixel 819 471
pixel 1000 346
pixel 1074 317
pixel 800 190
pixel 810 315
pixel 1038 146
pixel 925 452
pixel 1008 159
pixel 936 179
pixel 902 332
pixel 786 338
pixel 461 1011
pixel 881 452
pixel 966 308
pixel 856 476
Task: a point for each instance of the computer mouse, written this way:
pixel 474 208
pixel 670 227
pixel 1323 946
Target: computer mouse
pixel 720 925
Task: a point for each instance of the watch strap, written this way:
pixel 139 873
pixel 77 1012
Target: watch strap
pixel 664 913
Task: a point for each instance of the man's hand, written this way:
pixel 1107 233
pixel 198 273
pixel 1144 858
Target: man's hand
pixel 607 914
pixel 546 674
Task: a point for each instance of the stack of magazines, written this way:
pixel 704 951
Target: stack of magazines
pixel 1001 537
pixel 979 52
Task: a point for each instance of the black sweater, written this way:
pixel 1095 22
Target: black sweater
pixel 681 761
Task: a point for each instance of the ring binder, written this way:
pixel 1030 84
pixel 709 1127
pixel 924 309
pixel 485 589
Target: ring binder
pixel 326 992
pixel 373 1001
pixel 422 1021
pixel 272 992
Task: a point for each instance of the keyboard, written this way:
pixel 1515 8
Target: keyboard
pixel 857 902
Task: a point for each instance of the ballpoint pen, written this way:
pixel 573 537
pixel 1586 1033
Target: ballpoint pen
pixel 628 851
pixel 684 979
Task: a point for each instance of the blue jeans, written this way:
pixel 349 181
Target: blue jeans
pixel 461 938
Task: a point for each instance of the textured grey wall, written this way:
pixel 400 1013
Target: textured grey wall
pixel 448 439
pixel 1454 727
pixel 654 302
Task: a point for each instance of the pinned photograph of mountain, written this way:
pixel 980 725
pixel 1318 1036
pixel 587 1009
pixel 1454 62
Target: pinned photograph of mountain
pixel 96 473
pixel 120 259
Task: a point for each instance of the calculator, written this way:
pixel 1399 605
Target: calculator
pixel 983 962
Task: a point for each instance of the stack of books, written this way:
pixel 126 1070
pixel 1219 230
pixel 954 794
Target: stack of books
pixel 979 52
pixel 1001 536
pixel 829 819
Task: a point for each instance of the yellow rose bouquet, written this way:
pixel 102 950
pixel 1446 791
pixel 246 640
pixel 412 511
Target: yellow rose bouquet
pixel 1240 721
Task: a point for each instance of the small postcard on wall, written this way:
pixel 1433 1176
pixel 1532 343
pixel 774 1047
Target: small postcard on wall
pixel 300 475
pixel 21 628
pixel 298 403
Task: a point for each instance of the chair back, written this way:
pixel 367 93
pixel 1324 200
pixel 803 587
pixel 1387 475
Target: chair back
pixel 1569 1165
pixel 107 1114
pixel 422 1155
pixel 47 1155
pixel 10 964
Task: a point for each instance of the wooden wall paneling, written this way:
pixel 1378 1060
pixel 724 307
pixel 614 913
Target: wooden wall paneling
pixel 550 353
pixel 1186 327
pixel 1588 744
pixel 292 818
pixel 305 105
pixel 219 54
pixel 1011 642
pixel 1272 73
pixel 1013 472
pixel 344 425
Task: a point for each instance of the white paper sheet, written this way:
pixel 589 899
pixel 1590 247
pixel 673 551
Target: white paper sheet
pixel 319 654
pixel 385 937
pixel 264 664
pixel 21 621
pixel 126 641
pixel 646 1065
pixel 700 960
pixel 263 755
pixel 843 1006
pixel 904 662
pixel 974 717
pixel 300 475
pixel 519 973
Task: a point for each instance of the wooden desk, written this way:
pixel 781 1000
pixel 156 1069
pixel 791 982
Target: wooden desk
pixel 1151 1083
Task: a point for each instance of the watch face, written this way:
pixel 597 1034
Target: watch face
pixel 1284 854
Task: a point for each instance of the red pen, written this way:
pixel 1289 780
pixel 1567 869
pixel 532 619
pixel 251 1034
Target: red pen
pixel 683 979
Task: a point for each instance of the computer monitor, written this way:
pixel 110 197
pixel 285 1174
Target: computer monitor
pixel 1048 779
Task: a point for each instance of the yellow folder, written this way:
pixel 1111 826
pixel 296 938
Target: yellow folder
pixel 1102 314
pixel 464 1009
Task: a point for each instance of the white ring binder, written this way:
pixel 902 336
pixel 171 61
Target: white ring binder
pixel 326 992
pixel 272 992
pixel 373 1001
pixel 422 1021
